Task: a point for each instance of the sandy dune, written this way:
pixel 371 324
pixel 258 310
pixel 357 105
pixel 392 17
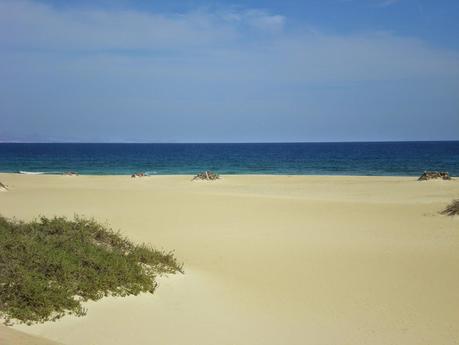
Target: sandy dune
pixel 268 259
pixel 9 336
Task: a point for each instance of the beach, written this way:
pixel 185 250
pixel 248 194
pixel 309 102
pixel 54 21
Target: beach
pixel 268 259
pixel 9 335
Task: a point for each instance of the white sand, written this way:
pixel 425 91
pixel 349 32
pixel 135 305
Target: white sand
pixel 268 259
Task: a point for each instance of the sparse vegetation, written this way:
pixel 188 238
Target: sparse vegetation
pixel 452 209
pixel 49 266
pixel 206 175
pixel 433 175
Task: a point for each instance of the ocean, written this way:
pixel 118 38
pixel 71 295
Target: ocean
pixel 360 158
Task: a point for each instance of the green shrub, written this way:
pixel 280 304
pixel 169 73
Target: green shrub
pixel 49 266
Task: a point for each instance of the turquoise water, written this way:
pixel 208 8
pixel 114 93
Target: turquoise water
pixel 385 158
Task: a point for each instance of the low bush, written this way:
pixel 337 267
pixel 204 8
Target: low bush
pixel 48 267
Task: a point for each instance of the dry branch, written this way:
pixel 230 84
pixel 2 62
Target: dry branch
pixel 452 209
pixel 430 175
pixel 206 175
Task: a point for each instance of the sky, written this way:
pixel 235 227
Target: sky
pixel 228 71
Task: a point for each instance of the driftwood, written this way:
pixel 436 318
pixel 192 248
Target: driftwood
pixel 429 175
pixel 452 209
pixel 139 174
pixel 3 186
pixel 206 175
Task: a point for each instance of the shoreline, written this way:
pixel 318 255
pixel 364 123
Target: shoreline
pixel 221 174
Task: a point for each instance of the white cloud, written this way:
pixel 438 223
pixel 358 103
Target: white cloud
pixel 257 18
pixel 262 20
pixel 211 44
pixel 31 25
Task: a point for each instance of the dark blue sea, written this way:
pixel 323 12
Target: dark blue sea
pixel 375 158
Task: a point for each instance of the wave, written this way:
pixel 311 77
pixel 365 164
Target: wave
pixel 31 172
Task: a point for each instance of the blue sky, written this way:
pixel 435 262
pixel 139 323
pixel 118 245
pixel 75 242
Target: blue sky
pixel 229 71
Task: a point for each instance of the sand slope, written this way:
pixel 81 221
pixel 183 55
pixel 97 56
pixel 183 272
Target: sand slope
pixel 268 259
pixel 9 336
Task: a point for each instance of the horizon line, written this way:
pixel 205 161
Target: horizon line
pixel 225 142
